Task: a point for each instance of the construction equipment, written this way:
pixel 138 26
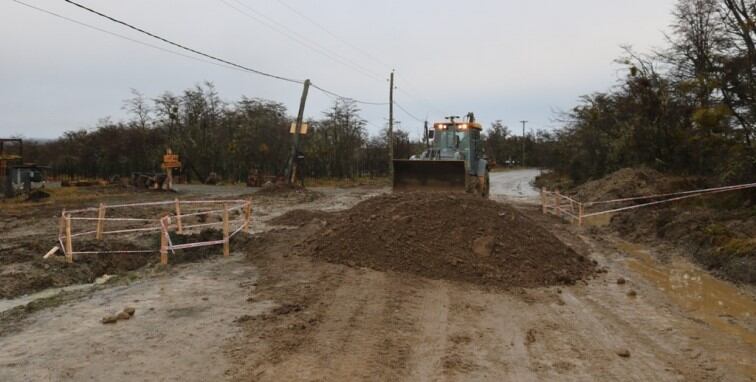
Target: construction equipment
pixel 15 175
pixel 453 162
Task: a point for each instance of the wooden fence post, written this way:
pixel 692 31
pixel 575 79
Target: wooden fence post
pixel 225 231
pixel 62 225
pixel 580 214
pixel 543 201
pixel 247 214
pixel 163 243
pixel 69 243
pixel 557 202
pixel 179 226
pixel 100 222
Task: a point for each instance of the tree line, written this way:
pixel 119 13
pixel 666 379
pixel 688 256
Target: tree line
pixel 211 136
pixel 689 108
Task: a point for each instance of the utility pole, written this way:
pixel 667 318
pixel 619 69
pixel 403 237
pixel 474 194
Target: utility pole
pixel 391 126
pixel 291 169
pixel 427 139
pixel 523 142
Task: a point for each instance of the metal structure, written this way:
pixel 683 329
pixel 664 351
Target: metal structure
pixel 454 161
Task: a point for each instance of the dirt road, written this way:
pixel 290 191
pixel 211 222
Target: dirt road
pixel 273 316
pixel 515 185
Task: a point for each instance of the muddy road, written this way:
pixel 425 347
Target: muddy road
pixel 267 314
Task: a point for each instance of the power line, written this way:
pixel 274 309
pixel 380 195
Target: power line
pixel 89 26
pixel 334 35
pixel 140 30
pixel 408 113
pixel 298 38
pixel 356 48
pixel 330 93
pixel 224 61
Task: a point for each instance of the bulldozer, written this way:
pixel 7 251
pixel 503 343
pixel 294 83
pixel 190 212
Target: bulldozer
pixel 454 160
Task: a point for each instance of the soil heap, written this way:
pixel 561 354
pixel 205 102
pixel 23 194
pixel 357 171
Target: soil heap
pixel 630 182
pixel 456 237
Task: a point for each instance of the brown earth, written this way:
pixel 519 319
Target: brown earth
pixel 629 182
pixel 298 218
pixel 453 237
pixel 716 231
pixel 284 190
pixel 24 271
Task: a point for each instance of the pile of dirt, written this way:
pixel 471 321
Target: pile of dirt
pixel 629 182
pixel 455 237
pixel 298 218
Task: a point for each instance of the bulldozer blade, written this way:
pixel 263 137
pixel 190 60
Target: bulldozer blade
pixel 429 175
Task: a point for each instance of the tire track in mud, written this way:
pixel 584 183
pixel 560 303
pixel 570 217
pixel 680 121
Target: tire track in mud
pixel 431 311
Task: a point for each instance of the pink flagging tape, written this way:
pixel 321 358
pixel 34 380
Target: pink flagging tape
pixel 141 204
pixel 706 190
pixel 90 209
pixel 196 245
pixel 83 234
pixel 99 252
pixel 659 202
pixel 148 229
pixel 210 224
pixel 165 232
pixel 237 231
pixel 212 201
pixel 118 219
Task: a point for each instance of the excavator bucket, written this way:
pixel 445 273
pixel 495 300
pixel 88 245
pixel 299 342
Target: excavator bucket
pixel 429 175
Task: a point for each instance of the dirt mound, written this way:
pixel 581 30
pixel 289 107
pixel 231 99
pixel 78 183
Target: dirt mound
pixel 455 237
pixel 298 218
pixel 629 182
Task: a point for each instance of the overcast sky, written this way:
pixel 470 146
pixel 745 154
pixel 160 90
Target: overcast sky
pixel 502 59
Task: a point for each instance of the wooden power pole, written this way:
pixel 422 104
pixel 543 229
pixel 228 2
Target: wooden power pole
pixel 391 126
pixel 291 169
pixel 523 142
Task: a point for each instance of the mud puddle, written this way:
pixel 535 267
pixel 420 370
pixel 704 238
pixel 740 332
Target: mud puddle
pixel 719 304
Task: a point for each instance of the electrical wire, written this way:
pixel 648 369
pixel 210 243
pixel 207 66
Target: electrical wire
pixel 92 27
pixel 330 93
pixel 280 28
pixel 334 35
pixel 400 107
pixel 181 46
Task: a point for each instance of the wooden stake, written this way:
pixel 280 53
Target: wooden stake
pixel 100 222
pixel 557 209
pixel 62 224
pixel 580 214
pixel 247 214
pixel 543 201
pixel 225 231
pixel 69 243
pixel 179 226
pixel 163 243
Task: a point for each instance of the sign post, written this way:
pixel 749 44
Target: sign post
pixel 170 161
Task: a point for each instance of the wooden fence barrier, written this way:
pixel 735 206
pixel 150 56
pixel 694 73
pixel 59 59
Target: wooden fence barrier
pixel 163 225
pixel 552 202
